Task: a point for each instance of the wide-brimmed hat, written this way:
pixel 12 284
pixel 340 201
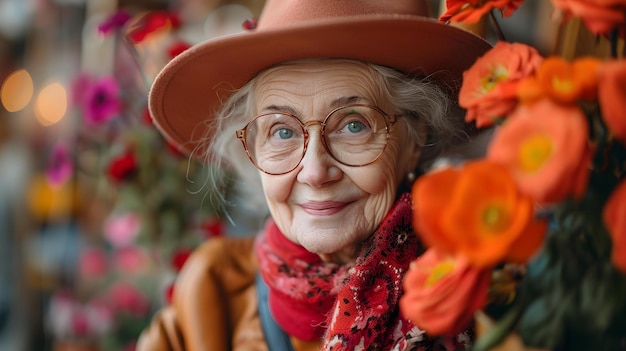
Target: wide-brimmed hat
pixel 192 87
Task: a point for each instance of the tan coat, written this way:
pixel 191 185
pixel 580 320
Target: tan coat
pixel 214 306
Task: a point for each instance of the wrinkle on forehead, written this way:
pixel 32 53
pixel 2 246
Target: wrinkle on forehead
pixel 331 83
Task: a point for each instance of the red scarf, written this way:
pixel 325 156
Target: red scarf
pixel 353 307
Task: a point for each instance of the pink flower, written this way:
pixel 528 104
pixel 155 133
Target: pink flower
pixel 126 298
pixel 489 87
pixel 121 230
pixel 131 259
pixel 101 101
pixel 80 84
pixel 115 21
pixel 60 166
pixel 100 314
pixel 442 293
pixel 93 263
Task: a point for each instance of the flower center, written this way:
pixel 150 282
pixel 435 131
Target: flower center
pixel 534 152
pixel 563 85
pixel 439 271
pixel 496 75
pixel 495 218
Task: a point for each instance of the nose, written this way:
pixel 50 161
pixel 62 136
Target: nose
pixel 317 168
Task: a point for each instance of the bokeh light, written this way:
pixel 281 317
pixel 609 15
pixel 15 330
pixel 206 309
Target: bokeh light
pixel 51 104
pixel 17 90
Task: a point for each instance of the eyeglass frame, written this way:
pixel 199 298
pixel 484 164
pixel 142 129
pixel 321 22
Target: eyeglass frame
pixel 390 120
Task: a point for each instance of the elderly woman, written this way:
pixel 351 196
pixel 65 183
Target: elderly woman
pixel 327 111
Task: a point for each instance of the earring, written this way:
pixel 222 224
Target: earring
pixel 410 177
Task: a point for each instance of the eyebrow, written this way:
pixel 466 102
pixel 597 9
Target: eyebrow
pixel 342 101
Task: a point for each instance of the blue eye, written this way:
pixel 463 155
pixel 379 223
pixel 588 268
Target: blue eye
pixel 355 126
pixel 285 133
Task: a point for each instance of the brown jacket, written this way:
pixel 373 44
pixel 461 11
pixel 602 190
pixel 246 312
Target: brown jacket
pixel 214 306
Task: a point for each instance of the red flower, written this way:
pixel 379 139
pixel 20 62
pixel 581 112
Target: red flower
pixel 489 86
pixel 614 216
pixel 179 258
pixel 249 24
pixel 599 16
pixel 612 96
pixel 442 293
pixel 470 11
pixel 123 167
pixel 177 48
pixel 151 23
pixel 146 117
pixel 545 147
pixel 212 228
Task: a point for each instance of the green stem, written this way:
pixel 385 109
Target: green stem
pixel 496 26
pixel 136 59
pixel 500 330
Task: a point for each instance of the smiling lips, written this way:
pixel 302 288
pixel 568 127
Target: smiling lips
pixel 324 208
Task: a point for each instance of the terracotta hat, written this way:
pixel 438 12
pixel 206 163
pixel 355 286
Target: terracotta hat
pixel 396 33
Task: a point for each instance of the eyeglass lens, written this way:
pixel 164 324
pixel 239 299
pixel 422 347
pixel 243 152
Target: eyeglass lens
pixel 353 135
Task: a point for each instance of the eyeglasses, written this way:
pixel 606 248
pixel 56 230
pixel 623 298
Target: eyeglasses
pixel 354 135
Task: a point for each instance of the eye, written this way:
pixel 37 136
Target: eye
pixel 355 126
pixel 284 133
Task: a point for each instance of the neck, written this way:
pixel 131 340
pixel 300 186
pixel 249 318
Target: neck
pixel 343 256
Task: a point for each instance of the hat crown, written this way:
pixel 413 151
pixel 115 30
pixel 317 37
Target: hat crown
pixel 285 13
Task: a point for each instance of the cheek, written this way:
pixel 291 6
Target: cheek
pixel 376 179
pixel 277 188
pixel 384 175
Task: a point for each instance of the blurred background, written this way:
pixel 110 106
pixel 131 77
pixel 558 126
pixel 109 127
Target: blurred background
pixel 97 212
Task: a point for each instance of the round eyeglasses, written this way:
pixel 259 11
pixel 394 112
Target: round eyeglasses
pixel 354 135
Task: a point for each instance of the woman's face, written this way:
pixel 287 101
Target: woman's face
pixel 323 205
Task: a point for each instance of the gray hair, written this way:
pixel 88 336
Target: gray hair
pixel 237 181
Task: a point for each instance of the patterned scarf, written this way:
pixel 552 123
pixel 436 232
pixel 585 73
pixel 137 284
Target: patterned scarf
pixel 353 307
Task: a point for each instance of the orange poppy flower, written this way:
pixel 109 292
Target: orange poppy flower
pixel 599 16
pixel 490 85
pixel 442 293
pixel 529 91
pixel 477 212
pixel 612 96
pixel 471 11
pixel 545 146
pixel 614 216
pixel 567 83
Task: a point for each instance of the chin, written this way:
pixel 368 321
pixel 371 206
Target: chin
pixel 326 244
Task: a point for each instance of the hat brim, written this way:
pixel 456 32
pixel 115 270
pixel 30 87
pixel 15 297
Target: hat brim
pixel 191 88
